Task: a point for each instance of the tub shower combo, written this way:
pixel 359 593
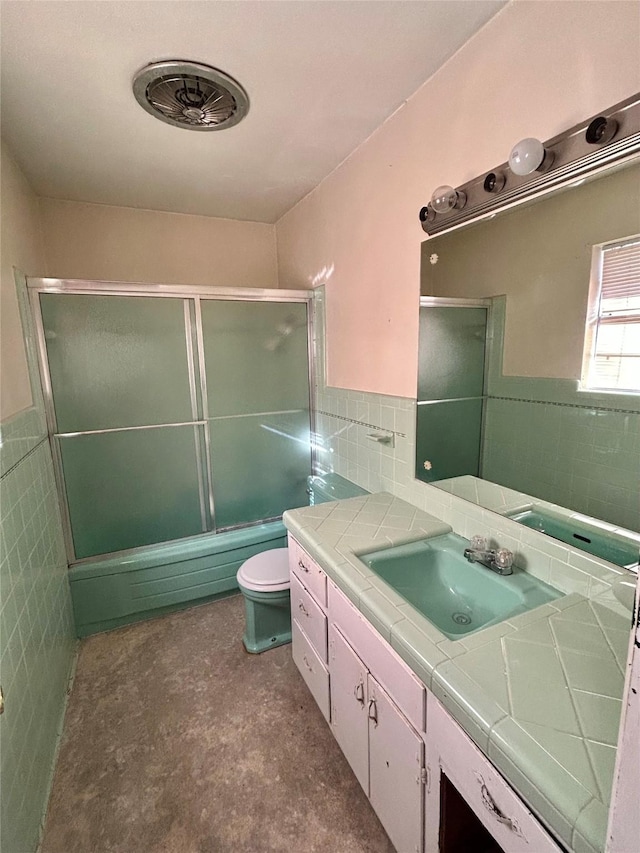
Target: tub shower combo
pixel 180 424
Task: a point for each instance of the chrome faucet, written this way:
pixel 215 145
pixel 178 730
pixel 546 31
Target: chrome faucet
pixel 499 560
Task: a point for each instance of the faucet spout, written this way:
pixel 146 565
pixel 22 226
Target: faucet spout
pixel 499 560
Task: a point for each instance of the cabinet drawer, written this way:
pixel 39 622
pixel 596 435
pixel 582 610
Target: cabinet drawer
pixel 310 617
pixel 497 806
pixel 389 669
pixel 308 571
pixel 311 668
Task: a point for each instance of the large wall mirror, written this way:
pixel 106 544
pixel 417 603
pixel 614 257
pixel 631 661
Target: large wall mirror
pixel 502 341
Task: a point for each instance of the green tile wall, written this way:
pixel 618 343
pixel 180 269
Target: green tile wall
pixel 585 459
pixel 546 437
pixel 37 643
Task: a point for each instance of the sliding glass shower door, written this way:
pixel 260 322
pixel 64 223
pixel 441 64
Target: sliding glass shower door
pixel 255 361
pixel 174 416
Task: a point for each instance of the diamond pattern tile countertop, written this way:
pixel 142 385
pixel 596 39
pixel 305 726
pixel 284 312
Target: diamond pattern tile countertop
pixel 540 694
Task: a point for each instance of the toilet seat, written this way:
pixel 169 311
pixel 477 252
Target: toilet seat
pixel 266 572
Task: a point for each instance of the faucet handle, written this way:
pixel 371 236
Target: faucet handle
pixel 479 543
pixel 503 558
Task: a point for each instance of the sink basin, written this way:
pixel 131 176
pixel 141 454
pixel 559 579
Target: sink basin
pixel 458 597
pixel 600 540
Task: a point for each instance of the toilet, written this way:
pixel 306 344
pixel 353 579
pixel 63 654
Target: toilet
pixel 264 578
pixel 264 582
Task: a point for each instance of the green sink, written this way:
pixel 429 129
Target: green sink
pixel 457 596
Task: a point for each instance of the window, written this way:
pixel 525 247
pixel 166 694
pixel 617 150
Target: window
pixel 612 344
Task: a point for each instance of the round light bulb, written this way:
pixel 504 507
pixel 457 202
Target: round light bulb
pixel 444 198
pixel 526 156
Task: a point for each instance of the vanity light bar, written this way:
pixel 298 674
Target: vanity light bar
pixel 611 136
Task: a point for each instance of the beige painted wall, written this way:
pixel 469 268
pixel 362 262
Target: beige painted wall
pixel 21 245
pixel 103 242
pixel 534 70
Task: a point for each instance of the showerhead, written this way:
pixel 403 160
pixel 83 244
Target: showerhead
pixel 190 95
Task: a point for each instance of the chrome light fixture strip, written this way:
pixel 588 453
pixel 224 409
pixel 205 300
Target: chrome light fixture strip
pixel 574 158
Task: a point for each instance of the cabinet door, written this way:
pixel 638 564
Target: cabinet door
pixel 488 795
pixel 311 668
pixel 349 704
pixel 396 761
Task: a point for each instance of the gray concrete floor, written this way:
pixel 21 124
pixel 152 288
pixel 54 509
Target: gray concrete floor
pixel 178 741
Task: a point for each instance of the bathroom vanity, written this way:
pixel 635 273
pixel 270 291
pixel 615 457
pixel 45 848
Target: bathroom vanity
pixel 501 739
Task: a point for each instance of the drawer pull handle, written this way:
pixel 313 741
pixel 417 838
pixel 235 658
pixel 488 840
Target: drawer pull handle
pixel 303 567
pixel 359 693
pixel 302 608
pixel 306 663
pixel 490 804
pixel 373 712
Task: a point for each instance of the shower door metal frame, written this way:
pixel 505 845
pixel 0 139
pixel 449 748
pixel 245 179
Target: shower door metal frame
pixel 197 384
pixel 455 302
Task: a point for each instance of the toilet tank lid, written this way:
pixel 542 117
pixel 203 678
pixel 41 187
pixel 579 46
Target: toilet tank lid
pixel 268 568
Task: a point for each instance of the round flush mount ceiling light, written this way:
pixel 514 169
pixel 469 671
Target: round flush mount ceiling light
pixel 190 95
pixel 528 156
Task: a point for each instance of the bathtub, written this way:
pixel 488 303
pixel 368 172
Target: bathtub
pixel 114 591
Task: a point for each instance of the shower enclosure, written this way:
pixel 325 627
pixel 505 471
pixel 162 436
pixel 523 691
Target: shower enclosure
pixel 451 387
pixel 173 412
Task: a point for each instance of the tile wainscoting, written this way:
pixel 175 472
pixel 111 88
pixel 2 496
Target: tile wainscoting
pixel 37 635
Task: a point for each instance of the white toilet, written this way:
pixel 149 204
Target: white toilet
pixel 264 578
pixel 264 582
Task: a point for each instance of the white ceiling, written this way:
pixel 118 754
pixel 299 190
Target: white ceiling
pixel 321 76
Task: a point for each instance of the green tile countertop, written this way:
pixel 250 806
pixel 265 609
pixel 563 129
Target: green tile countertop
pixel 540 694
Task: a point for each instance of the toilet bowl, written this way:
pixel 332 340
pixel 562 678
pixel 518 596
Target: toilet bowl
pixel 264 582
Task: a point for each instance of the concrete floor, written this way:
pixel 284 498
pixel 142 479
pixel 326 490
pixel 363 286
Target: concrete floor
pixel 178 741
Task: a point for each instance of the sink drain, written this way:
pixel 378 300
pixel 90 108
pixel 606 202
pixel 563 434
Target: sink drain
pixel 461 618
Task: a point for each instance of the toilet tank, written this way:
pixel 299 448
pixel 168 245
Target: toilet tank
pixel 331 487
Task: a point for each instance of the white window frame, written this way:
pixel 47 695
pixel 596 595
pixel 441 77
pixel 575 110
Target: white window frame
pixel 593 318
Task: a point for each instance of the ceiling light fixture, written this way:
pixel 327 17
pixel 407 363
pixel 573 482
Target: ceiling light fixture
pixel 190 95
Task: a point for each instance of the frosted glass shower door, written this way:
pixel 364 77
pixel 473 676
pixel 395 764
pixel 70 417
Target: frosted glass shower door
pixel 126 430
pixel 257 381
pixel 450 391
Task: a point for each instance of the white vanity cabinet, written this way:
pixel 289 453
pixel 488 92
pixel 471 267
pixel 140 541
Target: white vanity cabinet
pixel 382 747
pixel 399 740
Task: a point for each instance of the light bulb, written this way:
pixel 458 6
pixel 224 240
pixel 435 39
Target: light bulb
pixel 445 198
pixel 526 156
